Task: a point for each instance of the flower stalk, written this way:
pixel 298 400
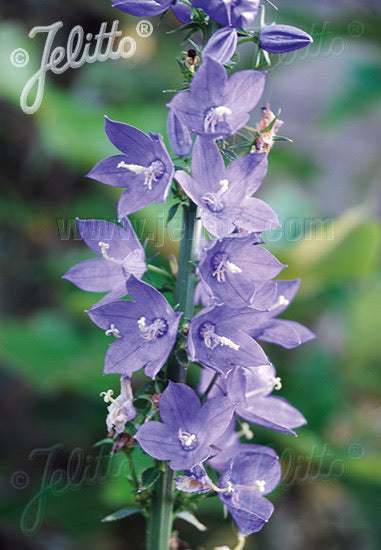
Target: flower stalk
pixel 161 515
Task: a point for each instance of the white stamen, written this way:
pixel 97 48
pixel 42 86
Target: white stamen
pixel 107 396
pixel 277 383
pixel 282 301
pixel 212 340
pixel 233 268
pixel 260 484
pixel 157 328
pixel 213 199
pixel 228 489
pixel 142 324
pixel 222 110
pixel 215 115
pixel 227 342
pixel 104 248
pixel 187 440
pixel 136 168
pixel 112 331
pixel 245 431
pixel 224 186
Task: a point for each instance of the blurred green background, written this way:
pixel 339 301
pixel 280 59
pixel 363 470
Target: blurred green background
pixel 326 191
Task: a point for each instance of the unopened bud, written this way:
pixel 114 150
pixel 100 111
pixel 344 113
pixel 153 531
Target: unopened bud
pixel 283 38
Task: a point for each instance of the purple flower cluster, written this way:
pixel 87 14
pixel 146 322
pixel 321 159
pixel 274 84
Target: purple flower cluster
pixel 241 296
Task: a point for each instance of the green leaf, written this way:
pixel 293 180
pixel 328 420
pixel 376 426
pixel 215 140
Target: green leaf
pixel 106 441
pixel 172 212
pixel 120 514
pixel 149 477
pixel 190 518
pixel 182 357
pixel 282 138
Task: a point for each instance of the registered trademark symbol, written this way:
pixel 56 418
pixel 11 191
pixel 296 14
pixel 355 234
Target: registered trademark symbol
pixel 356 29
pixel 356 450
pixel 144 28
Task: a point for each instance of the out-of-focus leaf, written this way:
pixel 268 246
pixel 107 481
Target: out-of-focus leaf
pixel 360 92
pixel 48 352
pixel 313 385
pixel 120 514
pixel 190 518
pixel 335 251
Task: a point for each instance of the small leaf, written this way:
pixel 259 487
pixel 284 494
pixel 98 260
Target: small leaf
pixel 271 125
pixel 282 138
pixel 105 441
pixel 120 514
pixel 149 477
pixel 143 404
pixel 182 357
pixel 190 518
pixel 172 212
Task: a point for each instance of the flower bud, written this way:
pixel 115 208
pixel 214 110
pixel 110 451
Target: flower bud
pixel 179 136
pixel 182 12
pixel 283 38
pixel 221 45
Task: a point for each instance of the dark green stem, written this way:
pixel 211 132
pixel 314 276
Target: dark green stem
pixel 188 255
pixel 161 515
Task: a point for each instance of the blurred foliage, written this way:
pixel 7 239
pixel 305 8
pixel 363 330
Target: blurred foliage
pixel 52 356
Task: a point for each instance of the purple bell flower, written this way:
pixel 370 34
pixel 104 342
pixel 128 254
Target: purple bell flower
pixel 121 255
pixel 224 194
pixel 266 328
pixel 234 13
pixel 249 476
pixel 145 169
pixel 283 38
pixel 218 338
pixel 234 267
pixel 145 330
pixel 187 429
pixel 216 106
pixel 251 390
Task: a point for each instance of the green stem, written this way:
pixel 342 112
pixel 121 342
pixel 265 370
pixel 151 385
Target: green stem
pixel 188 255
pixel 161 515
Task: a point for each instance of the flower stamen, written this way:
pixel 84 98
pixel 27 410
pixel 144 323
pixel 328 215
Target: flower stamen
pixel 154 330
pixel 188 441
pixel 112 331
pixel 152 174
pixel 214 116
pixel 260 485
pixel 245 431
pixel 107 397
pixel 213 200
pixel 212 340
pixel 228 489
pixel 221 265
pixel 282 301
